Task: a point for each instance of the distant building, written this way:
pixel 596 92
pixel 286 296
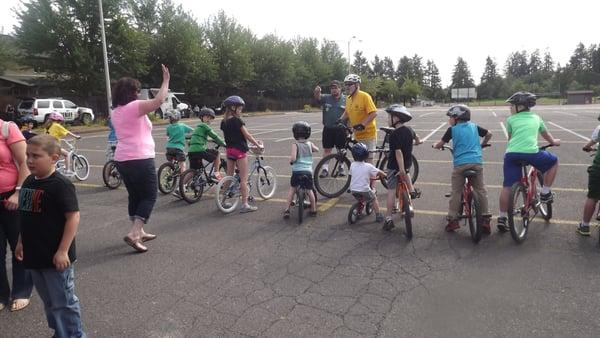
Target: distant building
pixel 579 96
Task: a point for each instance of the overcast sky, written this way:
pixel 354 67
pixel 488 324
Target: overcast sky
pixel 440 30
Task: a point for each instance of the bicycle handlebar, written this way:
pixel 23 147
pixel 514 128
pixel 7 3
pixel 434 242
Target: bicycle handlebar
pixel 546 146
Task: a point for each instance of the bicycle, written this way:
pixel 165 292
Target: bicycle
pixel 228 192
pixel 168 176
pixel 80 166
pixel 301 197
pixel 405 205
pixel 470 204
pixel 360 208
pixel 338 181
pixel 527 189
pixel 193 181
pixel 593 152
pixel 110 174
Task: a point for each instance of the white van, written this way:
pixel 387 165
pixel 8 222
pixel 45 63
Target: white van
pixel 171 102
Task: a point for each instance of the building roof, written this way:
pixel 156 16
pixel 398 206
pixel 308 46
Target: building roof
pixel 15 80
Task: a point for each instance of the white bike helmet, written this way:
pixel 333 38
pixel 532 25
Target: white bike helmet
pixel 352 78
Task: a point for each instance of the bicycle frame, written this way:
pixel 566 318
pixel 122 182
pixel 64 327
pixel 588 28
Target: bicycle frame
pixel 528 179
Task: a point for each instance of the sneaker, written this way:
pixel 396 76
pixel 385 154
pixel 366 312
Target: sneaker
pixel 388 225
pixel 485 226
pixel 312 213
pixel 286 214
pixel 248 208
pixel 379 218
pixel 415 194
pixel 216 176
pixel 502 227
pixel 452 225
pixel 323 173
pixel 226 205
pixel 547 198
pixel 583 230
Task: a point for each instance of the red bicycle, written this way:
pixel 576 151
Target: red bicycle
pixel 525 203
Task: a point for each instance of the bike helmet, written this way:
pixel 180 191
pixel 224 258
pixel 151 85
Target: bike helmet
pixel 400 112
pixel 525 99
pixel 54 116
pixel 234 101
pixel 301 130
pixel 173 115
pixel 207 111
pixel 27 119
pixel 460 112
pixel 352 78
pixel 360 152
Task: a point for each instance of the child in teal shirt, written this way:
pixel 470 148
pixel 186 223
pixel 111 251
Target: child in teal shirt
pixel 177 132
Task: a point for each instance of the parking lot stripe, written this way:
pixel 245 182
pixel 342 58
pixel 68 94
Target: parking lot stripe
pixel 504 130
pixel 327 205
pixel 433 132
pixel 568 130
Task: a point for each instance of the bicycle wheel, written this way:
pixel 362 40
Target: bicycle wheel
pixel 266 182
pixel 414 169
pixel 407 214
pixel 368 208
pixel 191 185
pixel 383 167
pixel 475 220
pixel 300 195
pixel 518 212
pixel 167 181
pixel 545 209
pixel 110 175
pixel 338 179
pixel 227 194
pixel 353 213
pixel 81 167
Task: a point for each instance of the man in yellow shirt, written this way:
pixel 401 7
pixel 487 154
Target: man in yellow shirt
pixel 361 112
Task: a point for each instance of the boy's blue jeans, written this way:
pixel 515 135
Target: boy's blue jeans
pixel 57 291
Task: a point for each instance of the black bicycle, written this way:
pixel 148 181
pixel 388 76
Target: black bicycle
pixel 193 181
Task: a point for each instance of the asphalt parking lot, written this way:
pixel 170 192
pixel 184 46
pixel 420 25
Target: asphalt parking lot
pixel 209 274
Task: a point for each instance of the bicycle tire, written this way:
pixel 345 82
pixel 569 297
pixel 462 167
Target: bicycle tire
pixel 81 167
pixel 545 209
pixel 266 182
pixel 110 175
pixel 414 169
pixel 190 188
pixel 300 194
pixel 353 213
pixel 475 220
pixel 518 210
pixel 383 167
pixel 323 184
pixel 167 181
pixel 226 197
pixel 368 208
pixel 407 214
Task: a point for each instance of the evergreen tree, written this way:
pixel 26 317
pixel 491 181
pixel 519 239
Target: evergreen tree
pixel 461 76
pixel 389 71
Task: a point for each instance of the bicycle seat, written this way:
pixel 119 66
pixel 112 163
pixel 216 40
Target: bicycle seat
pixel 522 163
pixel 469 173
pixel 387 130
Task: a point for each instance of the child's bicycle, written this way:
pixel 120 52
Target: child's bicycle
pixel 593 152
pixel 470 204
pixel 110 174
pixel 193 181
pixel 405 205
pixel 301 198
pixel 168 176
pixel 360 208
pixel 524 201
pixel 228 193
pixel 80 166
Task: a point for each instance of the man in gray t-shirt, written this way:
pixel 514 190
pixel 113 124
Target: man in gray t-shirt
pixel 333 107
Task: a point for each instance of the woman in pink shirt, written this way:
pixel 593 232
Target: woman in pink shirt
pixel 135 152
pixel 13 171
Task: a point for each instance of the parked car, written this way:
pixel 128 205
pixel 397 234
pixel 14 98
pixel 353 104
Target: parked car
pixel 40 108
pixel 171 102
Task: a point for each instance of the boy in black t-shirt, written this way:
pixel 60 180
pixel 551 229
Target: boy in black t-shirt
pixel 49 222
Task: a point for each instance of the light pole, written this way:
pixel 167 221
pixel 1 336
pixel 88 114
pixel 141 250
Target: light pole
pixel 350 60
pixel 104 53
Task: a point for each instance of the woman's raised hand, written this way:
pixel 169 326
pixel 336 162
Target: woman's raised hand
pixel 165 73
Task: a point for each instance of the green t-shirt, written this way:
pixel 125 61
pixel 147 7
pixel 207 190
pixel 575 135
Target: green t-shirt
pixel 176 133
pixel 523 129
pixel 200 137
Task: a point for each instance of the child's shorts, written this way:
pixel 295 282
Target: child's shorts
pixel 593 182
pixel 392 178
pixel 298 180
pixel 174 153
pixel 196 158
pixel 542 161
pixel 367 196
pixel 235 154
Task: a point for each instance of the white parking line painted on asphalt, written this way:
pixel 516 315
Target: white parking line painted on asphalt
pixel 291 138
pixel 269 131
pixel 569 130
pixel 433 132
pixel 427 114
pixel 504 129
pixel 494 113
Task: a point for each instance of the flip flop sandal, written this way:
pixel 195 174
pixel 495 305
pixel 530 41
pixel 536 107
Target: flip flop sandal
pixel 135 244
pixel 19 304
pixel 148 237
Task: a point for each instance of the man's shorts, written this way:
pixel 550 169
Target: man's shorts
pixel 371 145
pixel 593 182
pixel 235 154
pixel 174 153
pixel 334 137
pixel 209 155
pixel 367 196
pixel 298 180
pixel 542 161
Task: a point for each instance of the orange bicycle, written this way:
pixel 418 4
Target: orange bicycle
pixel 405 204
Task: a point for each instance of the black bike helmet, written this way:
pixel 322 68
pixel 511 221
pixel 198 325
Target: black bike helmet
pixel 360 152
pixel 598 117
pixel 301 130
pixel 207 111
pixel 27 119
pixel 234 101
pixel 460 112
pixel 525 99
pixel 400 112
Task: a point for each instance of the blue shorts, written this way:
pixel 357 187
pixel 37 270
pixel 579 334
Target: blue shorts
pixel 542 161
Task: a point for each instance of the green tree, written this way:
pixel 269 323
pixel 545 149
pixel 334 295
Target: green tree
pixel 389 72
pixel 144 14
pixel 417 71
pixel 274 62
pixel 403 71
pixel 334 61
pixel 378 70
pixel 579 60
pixel 432 82
pixel 8 53
pixel 548 64
pixel 410 90
pixel 535 62
pixel 360 65
pixel 517 64
pixel 461 76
